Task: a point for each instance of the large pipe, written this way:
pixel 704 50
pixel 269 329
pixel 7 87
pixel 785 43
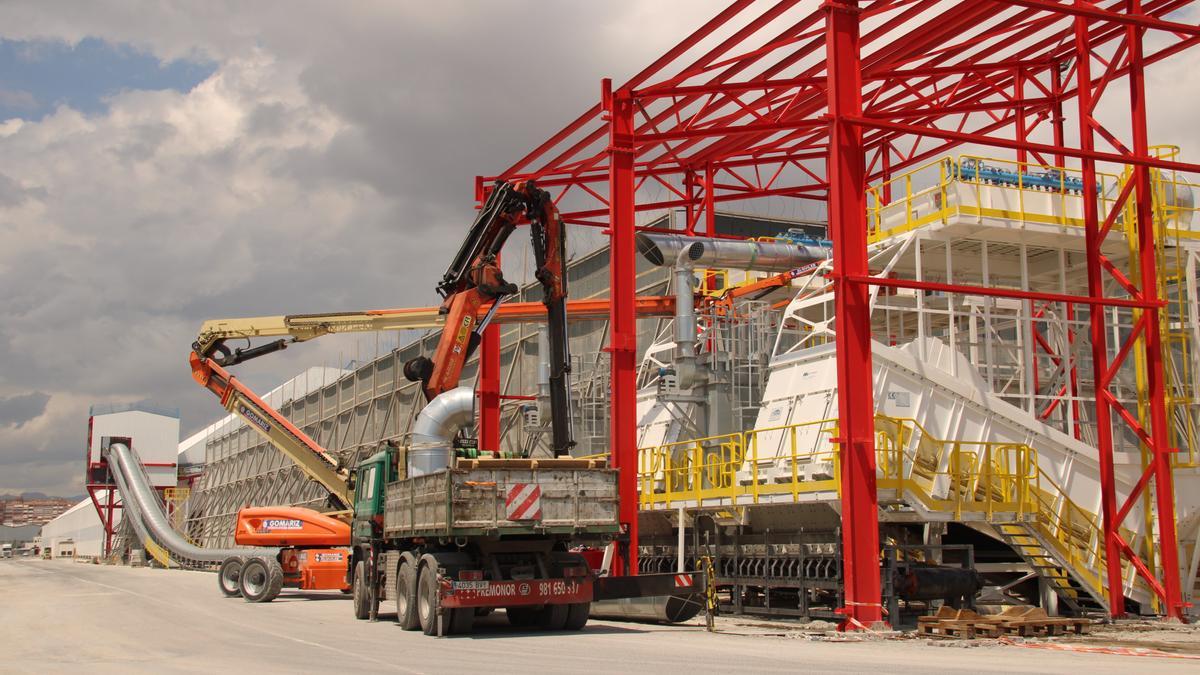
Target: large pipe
pixel 434 429
pixel 764 256
pixel 685 315
pixel 143 505
pixel 658 609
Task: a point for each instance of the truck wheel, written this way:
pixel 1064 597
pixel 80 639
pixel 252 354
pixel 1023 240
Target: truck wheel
pixel 261 580
pixel 577 615
pixel 553 617
pixel 362 608
pixel 406 595
pixel 229 575
pixel 523 617
pixel 462 620
pixel 427 597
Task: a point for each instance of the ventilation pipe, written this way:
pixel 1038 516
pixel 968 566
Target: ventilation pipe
pixel 142 504
pixel 685 315
pixel 434 429
pixel 763 256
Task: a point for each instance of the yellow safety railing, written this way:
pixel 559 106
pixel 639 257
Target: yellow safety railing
pixel 995 482
pixel 931 192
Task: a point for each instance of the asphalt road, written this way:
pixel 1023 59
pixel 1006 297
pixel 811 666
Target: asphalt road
pixel 66 617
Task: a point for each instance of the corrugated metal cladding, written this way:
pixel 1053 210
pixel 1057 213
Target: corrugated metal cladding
pixel 354 413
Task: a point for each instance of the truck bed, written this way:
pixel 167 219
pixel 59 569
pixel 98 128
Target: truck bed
pixel 503 498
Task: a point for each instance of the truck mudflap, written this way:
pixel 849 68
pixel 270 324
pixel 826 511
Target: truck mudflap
pixel 649 585
pixel 514 593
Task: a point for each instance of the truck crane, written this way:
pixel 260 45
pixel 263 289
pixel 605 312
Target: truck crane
pixel 482 533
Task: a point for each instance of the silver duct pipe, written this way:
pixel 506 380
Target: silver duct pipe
pixel 685 315
pixel 543 371
pixel 656 609
pixel 764 256
pixel 434 429
pixel 142 504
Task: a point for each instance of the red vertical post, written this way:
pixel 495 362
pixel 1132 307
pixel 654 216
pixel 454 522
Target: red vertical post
pixel 710 202
pixel 1056 114
pixel 1022 129
pixel 1099 336
pixel 622 330
pixel 689 188
pixel 887 174
pixel 1164 488
pixel 489 387
pixel 108 525
pixel 848 229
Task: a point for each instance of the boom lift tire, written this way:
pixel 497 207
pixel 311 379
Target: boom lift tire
pixel 552 617
pixel 406 593
pixel 229 575
pixel 577 615
pixel 362 603
pixel 261 579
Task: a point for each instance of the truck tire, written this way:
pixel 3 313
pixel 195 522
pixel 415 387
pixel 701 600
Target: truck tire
pixel 577 615
pixel 553 617
pixel 229 575
pixel 362 605
pixel 523 617
pixel 261 580
pixel 462 620
pixel 427 597
pixel 406 594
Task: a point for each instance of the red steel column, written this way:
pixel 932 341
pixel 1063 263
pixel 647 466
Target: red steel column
pixel 848 230
pixel 1164 488
pixel 622 341
pixel 1095 273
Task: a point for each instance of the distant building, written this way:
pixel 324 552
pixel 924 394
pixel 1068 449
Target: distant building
pixel 19 512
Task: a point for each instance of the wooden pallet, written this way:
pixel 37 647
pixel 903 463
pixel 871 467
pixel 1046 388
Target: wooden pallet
pixel 1013 621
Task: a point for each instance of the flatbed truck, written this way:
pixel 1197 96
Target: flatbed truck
pixel 481 535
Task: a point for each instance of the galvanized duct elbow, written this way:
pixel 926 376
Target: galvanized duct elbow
pixel 435 427
pixel 763 256
pixel 149 520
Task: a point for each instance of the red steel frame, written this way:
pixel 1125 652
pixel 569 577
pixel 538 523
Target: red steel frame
pixel 815 100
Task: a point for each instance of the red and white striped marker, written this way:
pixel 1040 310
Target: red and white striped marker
pixel 683 581
pixel 524 502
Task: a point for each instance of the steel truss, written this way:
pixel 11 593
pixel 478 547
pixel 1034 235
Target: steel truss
pixel 815 101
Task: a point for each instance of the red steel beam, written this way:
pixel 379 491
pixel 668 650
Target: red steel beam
pixel 1152 340
pixel 1093 241
pixel 622 340
pixel 856 405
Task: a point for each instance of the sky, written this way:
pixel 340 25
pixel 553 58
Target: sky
pixel 170 162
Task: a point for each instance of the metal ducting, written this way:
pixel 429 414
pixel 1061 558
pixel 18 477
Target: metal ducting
pixel 434 429
pixel 764 256
pixel 142 504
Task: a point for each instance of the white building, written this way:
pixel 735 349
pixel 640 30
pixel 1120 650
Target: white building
pixel 155 436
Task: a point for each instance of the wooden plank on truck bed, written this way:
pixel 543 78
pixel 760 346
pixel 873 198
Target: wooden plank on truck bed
pixel 531 463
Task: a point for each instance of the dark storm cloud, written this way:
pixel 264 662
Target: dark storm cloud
pixel 17 410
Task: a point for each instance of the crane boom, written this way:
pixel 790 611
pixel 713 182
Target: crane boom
pixel 312 459
pixel 210 342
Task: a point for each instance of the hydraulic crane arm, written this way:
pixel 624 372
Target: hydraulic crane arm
pixel 474 279
pixel 312 459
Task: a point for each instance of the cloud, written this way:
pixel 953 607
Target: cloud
pixel 17 99
pixel 326 164
pixel 15 411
